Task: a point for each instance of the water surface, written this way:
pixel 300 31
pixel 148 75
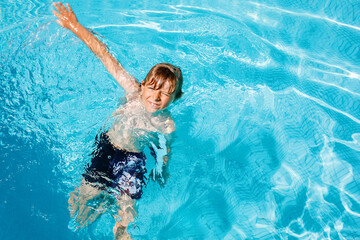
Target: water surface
pixel 268 131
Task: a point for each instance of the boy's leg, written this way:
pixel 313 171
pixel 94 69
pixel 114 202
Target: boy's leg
pixel 87 203
pixel 126 213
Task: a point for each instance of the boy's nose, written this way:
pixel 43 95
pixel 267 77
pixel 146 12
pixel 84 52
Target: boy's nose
pixel 156 96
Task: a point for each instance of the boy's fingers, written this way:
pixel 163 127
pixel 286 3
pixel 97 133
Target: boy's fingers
pixel 62 6
pixel 60 23
pixel 56 14
pixel 57 7
pixel 68 6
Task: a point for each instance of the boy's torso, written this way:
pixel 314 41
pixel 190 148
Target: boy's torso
pixel 133 127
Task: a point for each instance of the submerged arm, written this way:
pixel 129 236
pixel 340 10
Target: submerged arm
pixel 161 152
pixel 68 20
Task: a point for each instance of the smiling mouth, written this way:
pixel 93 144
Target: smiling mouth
pixel 154 105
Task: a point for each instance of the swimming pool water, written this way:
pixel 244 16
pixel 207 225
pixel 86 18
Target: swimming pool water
pixel 268 131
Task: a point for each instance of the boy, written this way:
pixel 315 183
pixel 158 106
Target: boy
pixel 118 162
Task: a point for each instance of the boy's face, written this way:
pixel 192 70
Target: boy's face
pixel 156 99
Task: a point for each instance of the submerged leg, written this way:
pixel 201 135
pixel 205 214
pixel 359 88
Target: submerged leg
pixel 126 213
pixel 86 204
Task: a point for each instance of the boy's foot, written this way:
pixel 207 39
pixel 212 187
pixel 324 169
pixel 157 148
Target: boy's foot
pixel 120 232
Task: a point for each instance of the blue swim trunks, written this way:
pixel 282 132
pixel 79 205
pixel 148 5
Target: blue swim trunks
pixel 115 168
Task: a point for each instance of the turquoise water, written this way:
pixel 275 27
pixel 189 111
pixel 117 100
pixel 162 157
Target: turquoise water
pixel 268 131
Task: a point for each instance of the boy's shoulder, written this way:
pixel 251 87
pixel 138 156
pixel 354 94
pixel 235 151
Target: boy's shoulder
pixel 164 122
pixel 131 96
pixel 169 123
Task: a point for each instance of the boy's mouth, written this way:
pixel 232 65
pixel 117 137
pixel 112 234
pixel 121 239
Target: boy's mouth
pixel 154 105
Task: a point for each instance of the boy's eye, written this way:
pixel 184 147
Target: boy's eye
pixel 150 87
pixel 166 94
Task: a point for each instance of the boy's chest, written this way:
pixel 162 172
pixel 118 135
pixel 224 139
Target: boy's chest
pixel 138 119
pixel 142 125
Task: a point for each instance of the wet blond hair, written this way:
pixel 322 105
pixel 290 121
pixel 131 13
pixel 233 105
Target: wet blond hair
pixel 165 72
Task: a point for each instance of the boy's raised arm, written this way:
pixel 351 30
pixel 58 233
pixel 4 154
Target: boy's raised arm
pixel 68 20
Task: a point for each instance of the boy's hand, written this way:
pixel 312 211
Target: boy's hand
pixel 67 18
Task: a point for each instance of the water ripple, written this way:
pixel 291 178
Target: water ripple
pixel 309 15
pixel 268 134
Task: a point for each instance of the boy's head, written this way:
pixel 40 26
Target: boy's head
pixel 161 86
